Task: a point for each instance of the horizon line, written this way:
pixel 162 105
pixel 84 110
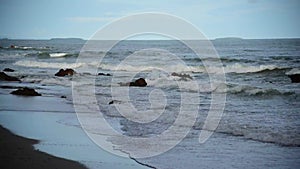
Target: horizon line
pixel 82 39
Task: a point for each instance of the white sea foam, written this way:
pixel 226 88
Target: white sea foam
pixel 234 68
pixel 179 68
pixel 252 90
pixel 293 71
pixel 28 48
pixel 58 65
pixel 172 82
pixel 138 68
pixel 239 68
pixel 57 55
pixel 24 47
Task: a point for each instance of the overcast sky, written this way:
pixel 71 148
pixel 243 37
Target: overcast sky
pixel 44 19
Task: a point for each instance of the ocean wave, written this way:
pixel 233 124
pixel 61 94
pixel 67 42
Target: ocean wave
pixel 240 68
pixel 255 91
pixel 26 48
pixel 252 50
pixel 233 68
pixel 286 58
pixel 58 55
pixel 138 68
pixel 173 82
pixel 58 65
pixel 222 59
pixel 262 134
pixel 50 55
pixel 293 71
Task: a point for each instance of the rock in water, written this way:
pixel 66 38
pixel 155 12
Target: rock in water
pixel 66 72
pixel 295 78
pixel 25 92
pixel 5 77
pixel 8 70
pixel 103 74
pixel 141 82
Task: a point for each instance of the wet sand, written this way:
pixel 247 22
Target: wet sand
pixel 18 152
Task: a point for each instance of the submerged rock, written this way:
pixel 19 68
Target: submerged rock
pixel 141 82
pixel 66 72
pixel 25 92
pixel 5 77
pixel 295 78
pixel 8 70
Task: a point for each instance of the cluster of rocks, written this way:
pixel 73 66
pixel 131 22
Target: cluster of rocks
pixel 141 82
pixel 24 91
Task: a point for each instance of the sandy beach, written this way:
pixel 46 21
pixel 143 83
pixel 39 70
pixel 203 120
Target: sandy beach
pixel 18 152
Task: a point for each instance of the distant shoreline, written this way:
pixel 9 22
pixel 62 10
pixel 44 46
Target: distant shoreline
pixel 18 153
pixel 213 39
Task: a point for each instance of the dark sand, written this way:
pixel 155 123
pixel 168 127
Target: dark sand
pixel 18 152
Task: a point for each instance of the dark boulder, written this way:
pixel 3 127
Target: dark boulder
pixel 104 74
pixel 6 77
pixel 141 82
pixel 8 70
pixel 66 72
pixel 25 92
pixel 295 78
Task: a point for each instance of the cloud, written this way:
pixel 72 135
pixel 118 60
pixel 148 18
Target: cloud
pixel 90 19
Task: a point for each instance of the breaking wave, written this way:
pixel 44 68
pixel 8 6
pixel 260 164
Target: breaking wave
pixel 58 65
pixel 293 71
pixel 27 48
pixel 233 68
pixel 255 91
pixel 51 55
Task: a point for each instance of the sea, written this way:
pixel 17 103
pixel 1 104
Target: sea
pixel 257 127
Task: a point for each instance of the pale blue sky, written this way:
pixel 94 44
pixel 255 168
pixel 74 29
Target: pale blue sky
pixel 44 19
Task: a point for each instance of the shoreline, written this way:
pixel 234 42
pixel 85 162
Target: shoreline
pixel 18 152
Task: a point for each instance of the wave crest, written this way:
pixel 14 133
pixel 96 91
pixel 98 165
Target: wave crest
pixel 58 65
